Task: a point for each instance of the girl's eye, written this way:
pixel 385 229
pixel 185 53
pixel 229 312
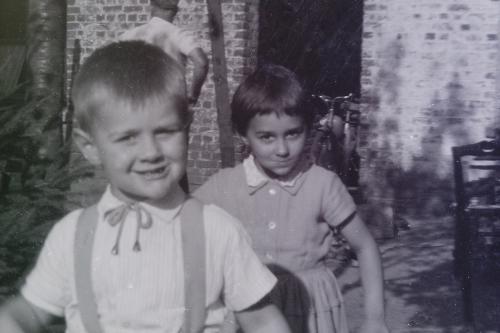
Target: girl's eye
pixel 295 134
pixel 266 137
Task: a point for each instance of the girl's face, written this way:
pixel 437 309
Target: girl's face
pixel 276 142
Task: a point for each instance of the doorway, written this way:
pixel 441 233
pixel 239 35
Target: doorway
pixel 320 40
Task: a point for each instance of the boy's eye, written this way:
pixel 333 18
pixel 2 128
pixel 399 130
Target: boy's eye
pixel 167 132
pixel 129 138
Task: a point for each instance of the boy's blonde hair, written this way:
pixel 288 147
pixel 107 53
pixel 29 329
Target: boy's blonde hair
pixel 129 71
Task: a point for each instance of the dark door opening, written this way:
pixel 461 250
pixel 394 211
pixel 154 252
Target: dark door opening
pixel 320 40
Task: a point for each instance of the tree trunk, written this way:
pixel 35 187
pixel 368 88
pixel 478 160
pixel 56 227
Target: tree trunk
pixel 46 46
pixel 221 85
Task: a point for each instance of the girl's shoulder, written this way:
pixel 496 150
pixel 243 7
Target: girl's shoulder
pixel 229 173
pixel 318 174
pixel 219 181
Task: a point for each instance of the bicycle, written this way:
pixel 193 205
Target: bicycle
pixel 335 138
pixel 334 143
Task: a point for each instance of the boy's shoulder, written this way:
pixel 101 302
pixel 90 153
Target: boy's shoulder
pixel 219 223
pixel 214 215
pixel 66 226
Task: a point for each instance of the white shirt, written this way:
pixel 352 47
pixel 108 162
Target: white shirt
pixel 144 291
pixel 176 42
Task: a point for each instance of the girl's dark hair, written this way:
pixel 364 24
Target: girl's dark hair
pixel 271 88
pixel 132 71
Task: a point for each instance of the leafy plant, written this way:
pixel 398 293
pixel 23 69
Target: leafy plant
pixel 33 188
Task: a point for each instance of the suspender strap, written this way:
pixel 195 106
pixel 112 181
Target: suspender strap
pixel 84 241
pixel 193 249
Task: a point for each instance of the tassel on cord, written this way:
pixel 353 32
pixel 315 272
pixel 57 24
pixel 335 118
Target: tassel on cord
pixel 118 215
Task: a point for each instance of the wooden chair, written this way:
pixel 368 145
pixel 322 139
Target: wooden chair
pixel 477 213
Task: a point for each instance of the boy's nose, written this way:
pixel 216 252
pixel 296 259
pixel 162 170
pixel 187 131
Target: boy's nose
pixel 150 150
pixel 282 148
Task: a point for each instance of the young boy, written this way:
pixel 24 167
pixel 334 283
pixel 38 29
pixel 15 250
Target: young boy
pixel 131 111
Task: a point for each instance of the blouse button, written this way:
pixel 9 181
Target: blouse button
pixel 272 225
pixel 272 191
pixel 269 256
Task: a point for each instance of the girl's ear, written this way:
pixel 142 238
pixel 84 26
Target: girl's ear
pixel 86 145
pixel 244 139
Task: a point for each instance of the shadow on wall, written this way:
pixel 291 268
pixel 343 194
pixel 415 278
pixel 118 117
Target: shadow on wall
pixel 425 187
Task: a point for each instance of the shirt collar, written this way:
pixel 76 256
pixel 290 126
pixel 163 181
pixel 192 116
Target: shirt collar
pixel 256 179
pixel 109 202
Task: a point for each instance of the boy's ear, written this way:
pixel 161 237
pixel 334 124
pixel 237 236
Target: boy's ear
pixel 86 145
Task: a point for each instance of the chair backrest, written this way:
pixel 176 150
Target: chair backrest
pixel 483 150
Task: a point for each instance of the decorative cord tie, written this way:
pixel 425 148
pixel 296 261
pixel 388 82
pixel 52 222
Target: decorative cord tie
pixel 118 215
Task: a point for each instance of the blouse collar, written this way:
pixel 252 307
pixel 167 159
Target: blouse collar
pixel 256 179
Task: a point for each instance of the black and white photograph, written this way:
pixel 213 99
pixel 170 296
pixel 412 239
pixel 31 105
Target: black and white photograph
pixel 256 166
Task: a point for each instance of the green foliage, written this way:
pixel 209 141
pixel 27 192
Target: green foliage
pixel 33 189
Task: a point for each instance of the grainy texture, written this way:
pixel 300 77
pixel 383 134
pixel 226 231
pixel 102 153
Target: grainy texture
pixel 96 22
pixel 428 83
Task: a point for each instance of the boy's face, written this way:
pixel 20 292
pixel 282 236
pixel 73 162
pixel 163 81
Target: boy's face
pixel 276 143
pixel 142 151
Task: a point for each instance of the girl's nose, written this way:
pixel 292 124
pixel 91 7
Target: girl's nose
pixel 282 149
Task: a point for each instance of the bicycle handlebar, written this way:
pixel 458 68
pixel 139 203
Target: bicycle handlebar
pixel 342 106
pixel 331 100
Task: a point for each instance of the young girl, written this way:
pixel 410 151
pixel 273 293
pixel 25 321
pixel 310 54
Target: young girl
pixel 289 207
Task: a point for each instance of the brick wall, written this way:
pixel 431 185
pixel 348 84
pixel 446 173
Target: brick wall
pixel 429 71
pixel 428 80
pixel 96 22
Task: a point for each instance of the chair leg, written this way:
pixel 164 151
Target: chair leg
pixel 467 298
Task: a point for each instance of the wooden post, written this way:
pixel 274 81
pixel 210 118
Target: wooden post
pixel 220 81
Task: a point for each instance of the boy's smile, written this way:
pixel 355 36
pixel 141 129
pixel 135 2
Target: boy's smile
pixel 276 142
pixel 142 148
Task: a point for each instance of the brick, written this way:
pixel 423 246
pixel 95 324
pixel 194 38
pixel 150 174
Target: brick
pixel 132 9
pixel 73 10
pixel 458 7
pixel 109 9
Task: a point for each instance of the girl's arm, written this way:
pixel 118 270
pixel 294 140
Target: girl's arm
pixel 20 316
pixel 366 249
pixel 263 317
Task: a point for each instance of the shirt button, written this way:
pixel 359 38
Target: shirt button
pixel 271 225
pixel 269 256
pixel 272 191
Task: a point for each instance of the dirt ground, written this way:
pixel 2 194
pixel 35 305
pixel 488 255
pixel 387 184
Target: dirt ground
pixel 422 293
